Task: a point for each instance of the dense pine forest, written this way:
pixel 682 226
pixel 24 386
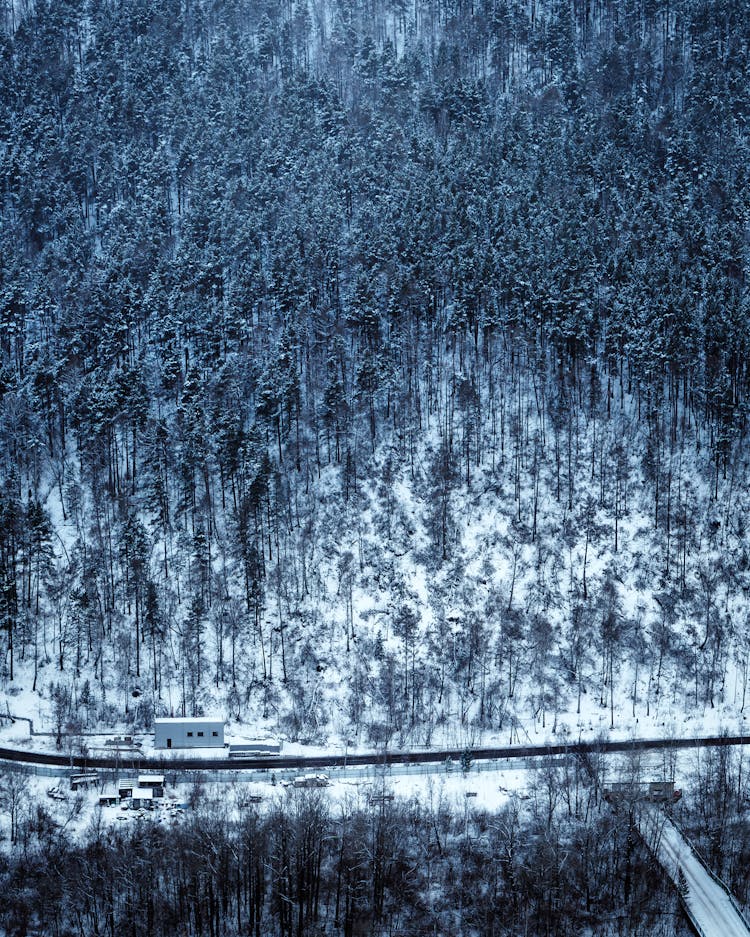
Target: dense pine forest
pixel 371 369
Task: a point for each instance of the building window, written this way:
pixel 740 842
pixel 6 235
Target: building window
pixel 215 735
pixel 190 735
pixel 200 735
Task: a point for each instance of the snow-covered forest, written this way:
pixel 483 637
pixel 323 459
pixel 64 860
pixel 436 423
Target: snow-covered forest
pixel 551 861
pixel 375 370
pixel 305 868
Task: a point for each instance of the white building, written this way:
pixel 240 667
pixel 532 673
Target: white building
pixel 195 732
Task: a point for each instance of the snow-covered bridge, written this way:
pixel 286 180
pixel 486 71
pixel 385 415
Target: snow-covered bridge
pixel 708 902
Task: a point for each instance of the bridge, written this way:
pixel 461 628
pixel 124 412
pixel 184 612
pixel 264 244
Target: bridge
pixel 710 906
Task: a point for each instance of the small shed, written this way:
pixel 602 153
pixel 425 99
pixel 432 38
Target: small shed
pixel 143 797
pixel 311 780
pixel 125 786
pixel 197 732
pixel 83 781
pixel 153 782
pixel 108 800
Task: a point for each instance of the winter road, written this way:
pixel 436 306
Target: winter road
pixel 385 758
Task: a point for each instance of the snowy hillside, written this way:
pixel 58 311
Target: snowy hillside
pixel 374 378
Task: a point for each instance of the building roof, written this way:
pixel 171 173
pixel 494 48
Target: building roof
pixel 143 793
pixel 144 779
pixel 267 746
pixel 185 720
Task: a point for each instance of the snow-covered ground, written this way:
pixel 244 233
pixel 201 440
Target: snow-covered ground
pixel 454 790
pixel 487 785
pixel 591 725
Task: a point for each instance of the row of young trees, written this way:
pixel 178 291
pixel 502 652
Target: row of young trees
pixel 259 267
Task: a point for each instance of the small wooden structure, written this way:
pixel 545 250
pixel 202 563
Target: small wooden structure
pixel 654 792
pixel 142 798
pixel 126 786
pixel 83 782
pixel 153 782
pixel 311 780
